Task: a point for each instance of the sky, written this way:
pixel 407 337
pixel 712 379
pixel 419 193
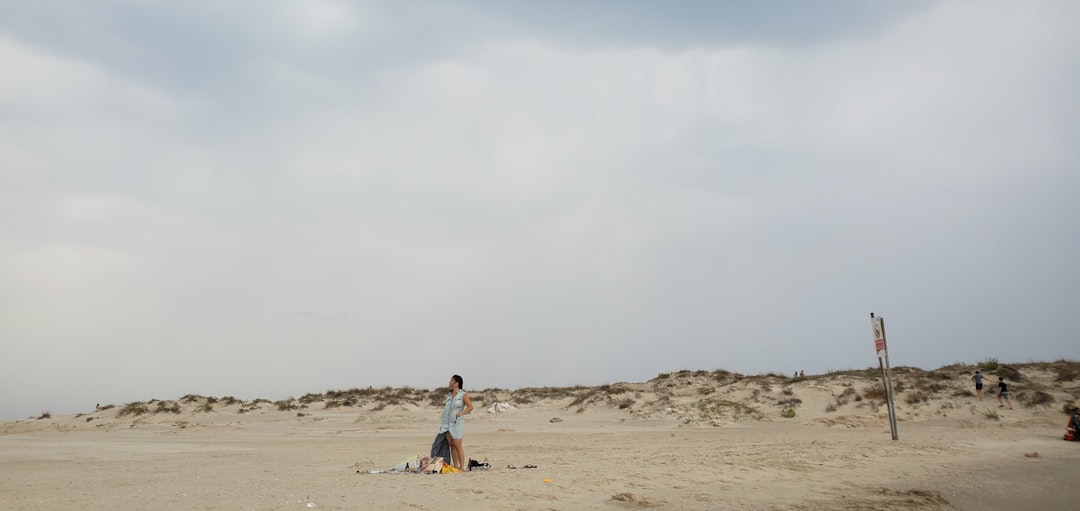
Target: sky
pixel 264 199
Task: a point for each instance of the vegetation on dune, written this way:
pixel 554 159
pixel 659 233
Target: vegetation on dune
pixel 698 397
pixel 167 407
pixel 286 405
pixel 136 408
pixel 989 364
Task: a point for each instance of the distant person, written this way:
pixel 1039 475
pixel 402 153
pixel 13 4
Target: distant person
pixel 458 405
pixel 1072 432
pixel 98 407
pixel 977 378
pixel 802 374
pixel 1003 393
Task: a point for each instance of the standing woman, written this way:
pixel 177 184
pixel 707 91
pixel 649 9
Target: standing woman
pixel 458 405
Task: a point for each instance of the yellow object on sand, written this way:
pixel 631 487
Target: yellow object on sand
pixel 447 469
pixel 547 481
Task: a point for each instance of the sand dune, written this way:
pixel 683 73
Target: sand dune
pixel 686 440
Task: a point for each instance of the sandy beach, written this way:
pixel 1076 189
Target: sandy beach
pixel 688 440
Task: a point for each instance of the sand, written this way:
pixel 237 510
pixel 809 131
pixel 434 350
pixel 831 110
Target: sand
pixel 604 453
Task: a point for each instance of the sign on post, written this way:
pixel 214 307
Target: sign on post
pixel 878 325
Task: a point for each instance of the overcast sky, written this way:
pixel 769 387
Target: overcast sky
pixel 268 198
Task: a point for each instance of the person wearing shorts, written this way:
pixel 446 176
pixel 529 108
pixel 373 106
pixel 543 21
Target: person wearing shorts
pixel 458 405
pixel 1003 393
pixel 977 378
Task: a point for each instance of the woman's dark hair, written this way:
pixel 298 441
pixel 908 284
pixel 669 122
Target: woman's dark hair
pixel 460 382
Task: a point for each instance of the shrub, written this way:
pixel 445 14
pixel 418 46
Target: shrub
pixel 875 392
pixel 914 398
pixel 136 409
pixel 45 415
pixel 992 415
pixel 625 403
pixel 1035 398
pixel 929 386
pixel 939 375
pixel 846 396
pixel 287 405
pixel 831 408
pixel 990 364
pixel 788 413
pixel 612 389
pixel 1010 373
pixel 712 407
pixel 1068 372
pixel 721 375
pixel 167 406
pixel 584 397
pixel 790 402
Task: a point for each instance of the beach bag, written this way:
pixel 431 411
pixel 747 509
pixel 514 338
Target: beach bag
pixel 448 469
pixel 1070 434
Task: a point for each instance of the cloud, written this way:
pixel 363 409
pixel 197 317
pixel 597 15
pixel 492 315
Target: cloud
pixel 334 195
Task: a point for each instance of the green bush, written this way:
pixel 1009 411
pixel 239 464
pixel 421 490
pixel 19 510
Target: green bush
pixel 990 364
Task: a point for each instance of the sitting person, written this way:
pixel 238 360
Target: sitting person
pixel 1072 432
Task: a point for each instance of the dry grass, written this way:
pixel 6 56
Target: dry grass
pixel 1033 398
pixel 712 409
pixel 1067 371
pixel 692 397
pixel 137 408
pixel 167 407
pixel 789 402
pixel 287 405
pixel 846 396
pixel 1010 373
pixel 876 391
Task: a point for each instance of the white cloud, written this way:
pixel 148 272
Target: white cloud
pixel 604 212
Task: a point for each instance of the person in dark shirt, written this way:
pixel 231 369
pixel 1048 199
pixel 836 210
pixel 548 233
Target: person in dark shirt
pixel 1003 393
